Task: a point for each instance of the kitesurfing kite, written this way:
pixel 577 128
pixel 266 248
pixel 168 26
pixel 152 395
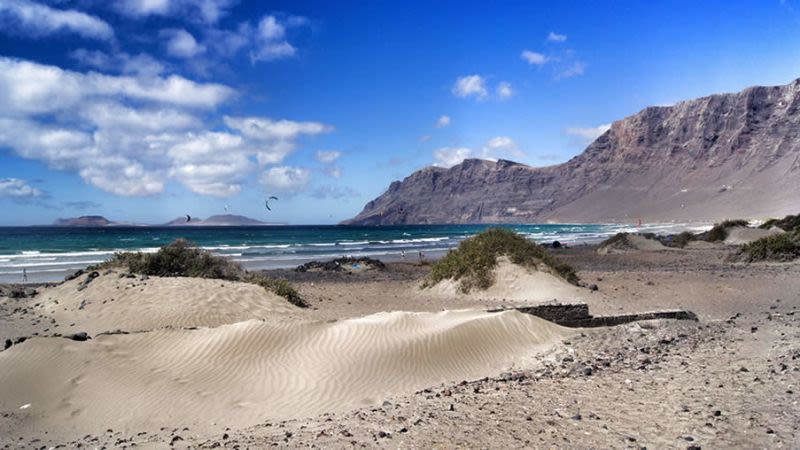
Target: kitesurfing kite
pixel 226 208
pixel 267 202
pixel 188 218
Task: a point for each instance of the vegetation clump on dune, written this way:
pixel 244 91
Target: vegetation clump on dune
pixel 472 263
pixel 181 258
pixel 779 247
pixel 720 230
pixel 788 223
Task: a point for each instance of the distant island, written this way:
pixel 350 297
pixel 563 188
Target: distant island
pixel 84 221
pixel 223 220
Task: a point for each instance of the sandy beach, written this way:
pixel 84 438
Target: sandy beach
pixel 378 361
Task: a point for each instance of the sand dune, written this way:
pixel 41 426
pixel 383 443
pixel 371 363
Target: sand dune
pixel 252 371
pixel 134 304
pixel 745 235
pixel 515 284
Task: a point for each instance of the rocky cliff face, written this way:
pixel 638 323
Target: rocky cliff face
pixel 716 157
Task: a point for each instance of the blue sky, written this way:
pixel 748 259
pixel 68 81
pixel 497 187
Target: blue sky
pixel 144 110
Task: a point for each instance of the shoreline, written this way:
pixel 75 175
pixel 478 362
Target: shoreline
pixel 259 252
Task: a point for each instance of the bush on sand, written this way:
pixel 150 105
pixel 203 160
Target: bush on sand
pixel 778 247
pixel 181 258
pixel 472 263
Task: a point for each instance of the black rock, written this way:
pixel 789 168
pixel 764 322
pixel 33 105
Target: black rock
pixel 79 336
pixel 593 287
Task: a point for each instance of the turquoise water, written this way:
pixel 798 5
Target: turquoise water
pixel 50 253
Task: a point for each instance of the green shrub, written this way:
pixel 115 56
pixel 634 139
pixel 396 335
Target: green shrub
pixel 788 223
pixel 619 240
pixel 720 230
pixel 682 239
pixel 181 258
pixel 473 262
pixel 279 286
pixel 778 247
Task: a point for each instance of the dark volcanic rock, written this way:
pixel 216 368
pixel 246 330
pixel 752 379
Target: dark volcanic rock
pixel 721 156
pixel 341 264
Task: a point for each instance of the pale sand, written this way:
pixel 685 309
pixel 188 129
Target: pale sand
pixel 133 304
pixel 636 243
pixel 234 370
pixel 746 235
pixel 655 384
pixel 515 285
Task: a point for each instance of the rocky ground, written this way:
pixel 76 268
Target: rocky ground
pixel 731 380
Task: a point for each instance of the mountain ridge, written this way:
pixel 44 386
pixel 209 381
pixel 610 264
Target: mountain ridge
pixel 706 159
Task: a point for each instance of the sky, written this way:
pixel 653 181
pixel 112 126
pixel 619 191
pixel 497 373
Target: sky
pixel 146 110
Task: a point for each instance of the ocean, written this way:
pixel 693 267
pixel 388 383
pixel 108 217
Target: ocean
pixel 51 253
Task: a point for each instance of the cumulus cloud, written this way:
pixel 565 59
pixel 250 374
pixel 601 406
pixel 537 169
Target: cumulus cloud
pixel 533 58
pixel 470 86
pixel 30 19
pixel 286 179
pixel 494 149
pixel 327 157
pixel 450 156
pixel 208 11
pixel 121 62
pixel 501 147
pixel 504 90
pixel 588 134
pixel 555 37
pixel 16 188
pixel 131 135
pixel 270 40
pixel 181 44
pixel 442 121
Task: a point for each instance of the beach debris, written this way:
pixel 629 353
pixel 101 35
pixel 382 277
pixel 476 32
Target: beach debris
pixel 266 203
pixel 25 406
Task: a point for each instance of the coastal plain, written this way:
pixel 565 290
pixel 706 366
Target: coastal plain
pixel 377 361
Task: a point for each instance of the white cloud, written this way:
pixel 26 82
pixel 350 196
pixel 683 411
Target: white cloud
pixel 504 90
pixel 534 58
pixel 286 178
pixel 470 86
pixel 268 129
pixel 141 64
pixel 573 70
pixel 494 149
pixel 31 19
pixel 35 88
pixel 270 40
pixel 443 121
pixel 588 133
pixel 130 136
pixel 501 147
pixel 16 188
pixel 555 37
pixel 327 157
pixel 207 11
pixel 450 156
pixel 181 44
